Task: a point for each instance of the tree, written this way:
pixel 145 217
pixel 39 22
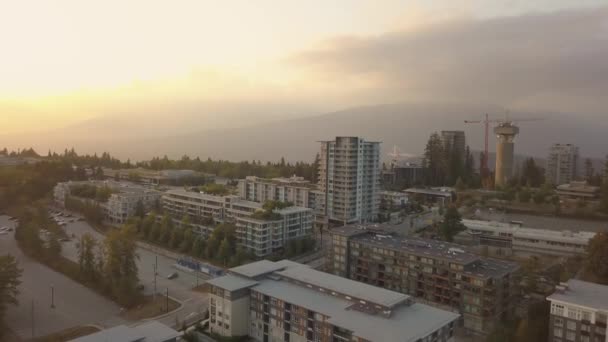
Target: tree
pixel 604 199
pixel 588 169
pixel 460 186
pixel 140 209
pixel 86 256
pixel 166 226
pixel 54 246
pixel 177 234
pixel 434 160
pixel 120 268
pixel 224 251
pixel 531 174
pixel 524 196
pixel 10 275
pixel 597 257
pixel 198 248
pixel 452 223
pixel 187 240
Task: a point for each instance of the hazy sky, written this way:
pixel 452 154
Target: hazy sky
pixel 64 61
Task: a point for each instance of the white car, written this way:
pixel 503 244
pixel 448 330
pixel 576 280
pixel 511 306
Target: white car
pixel 3 232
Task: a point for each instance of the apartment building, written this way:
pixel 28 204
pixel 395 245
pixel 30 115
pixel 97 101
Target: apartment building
pixel 122 203
pixel 578 191
pixel 509 238
pixel 562 164
pixel 294 189
pixel 349 178
pixel 454 140
pixel 287 301
pixel 579 312
pixel 261 234
pixel 435 272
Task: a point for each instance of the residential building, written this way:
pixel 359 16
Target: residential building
pixel 261 234
pixel 443 196
pixel 403 174
pixel 455 141
pixel 349 177
pixel 152 331
pixel 578 191
pixel 155 177
pixel 579 312
pixel 483 290
pixel 122 202
pixel 562 164
pixel 287 301
pixel 294 190
pixel 394 198
pixel 512 238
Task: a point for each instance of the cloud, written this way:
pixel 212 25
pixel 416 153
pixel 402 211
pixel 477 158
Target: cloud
pixel 551 62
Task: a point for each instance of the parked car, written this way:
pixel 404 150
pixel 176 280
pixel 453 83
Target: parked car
pixel 173 275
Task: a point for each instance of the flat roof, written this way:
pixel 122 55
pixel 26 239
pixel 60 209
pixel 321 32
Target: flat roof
pixel 151 331
pixel 429 192
pixel 583 293
pixel 406 323
pixel 256 269
pixel 369 293
pixel 515 230
pixel 378 236
pixel 231 282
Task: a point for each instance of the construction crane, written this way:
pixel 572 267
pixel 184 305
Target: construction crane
pixel 484 169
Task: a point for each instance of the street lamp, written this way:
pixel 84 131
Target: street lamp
pixel 52 296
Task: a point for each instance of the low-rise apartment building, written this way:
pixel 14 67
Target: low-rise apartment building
pixel 579 312
pixel 439 273
pixel 511 238
pixel 287 301
pixel 261 234
pixel 578 191
pixel 294 190
pixel 120 205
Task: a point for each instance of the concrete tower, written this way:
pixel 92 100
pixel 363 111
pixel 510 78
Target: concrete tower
pixel 505 146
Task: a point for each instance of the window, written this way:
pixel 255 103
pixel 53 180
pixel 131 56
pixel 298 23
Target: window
pixel 571 325
pixel 558 322
pixel 557 332
pixel 570 335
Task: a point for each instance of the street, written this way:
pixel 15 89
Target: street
pixel 180 288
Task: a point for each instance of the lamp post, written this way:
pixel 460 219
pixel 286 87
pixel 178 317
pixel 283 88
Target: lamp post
pixel 52 296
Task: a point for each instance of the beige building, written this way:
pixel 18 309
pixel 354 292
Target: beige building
pixel 287 301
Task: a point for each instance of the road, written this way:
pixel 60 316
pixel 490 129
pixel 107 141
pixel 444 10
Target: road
pixel 180 288
pixel 74 303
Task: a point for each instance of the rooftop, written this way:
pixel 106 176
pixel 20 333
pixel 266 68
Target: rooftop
pixel 369 293
pixel 525 232
pixel 232 282
pixel 258 268
pixel 583 293
pixel 152 331
pixel 432 192
pixel 474 265
pixel 406 323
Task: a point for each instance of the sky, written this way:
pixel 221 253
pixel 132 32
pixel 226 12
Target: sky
pixel 230 63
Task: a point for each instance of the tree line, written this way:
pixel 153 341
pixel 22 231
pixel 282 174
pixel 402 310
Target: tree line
pixel 222 168
pixel 10 275
pixel 444 164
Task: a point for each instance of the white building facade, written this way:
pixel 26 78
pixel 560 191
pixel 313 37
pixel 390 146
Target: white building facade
pixel 562 164
pixel 294 190
pixel 349 178
pixel 260 235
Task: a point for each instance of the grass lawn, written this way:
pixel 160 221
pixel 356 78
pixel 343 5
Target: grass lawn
pixel 67 334
pixel 150 308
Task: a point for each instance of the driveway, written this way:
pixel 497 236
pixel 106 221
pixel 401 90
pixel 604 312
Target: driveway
pixel 74 303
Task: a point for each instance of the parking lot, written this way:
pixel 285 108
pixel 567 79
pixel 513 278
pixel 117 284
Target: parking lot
pixel 74 303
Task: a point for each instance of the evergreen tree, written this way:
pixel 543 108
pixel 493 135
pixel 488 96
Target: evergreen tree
pixel 434 161
pixel 452 224
pixel 10 275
